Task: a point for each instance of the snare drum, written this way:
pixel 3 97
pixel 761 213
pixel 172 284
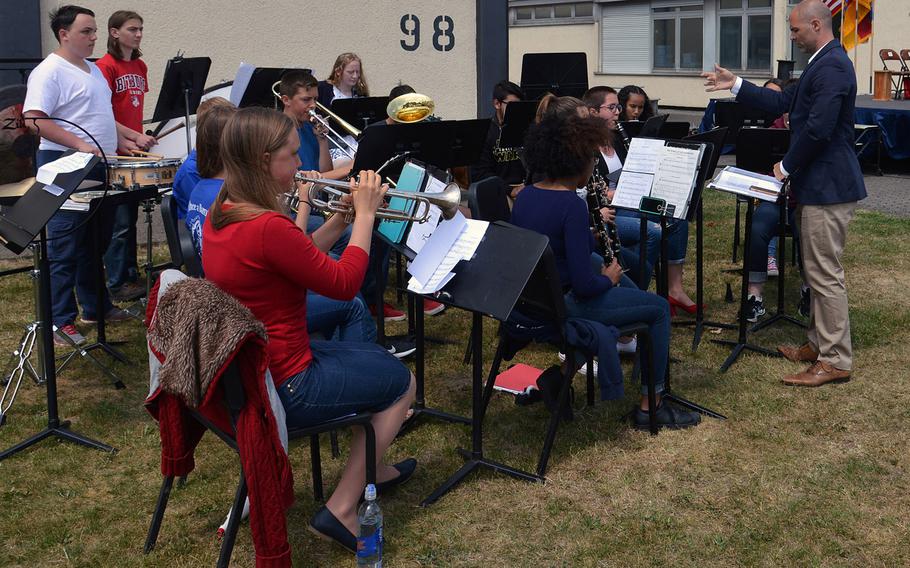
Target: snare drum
pixel 134 174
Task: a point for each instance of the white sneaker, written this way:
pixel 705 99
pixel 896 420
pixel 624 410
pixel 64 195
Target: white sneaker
pixel 630 347
pixel 584 368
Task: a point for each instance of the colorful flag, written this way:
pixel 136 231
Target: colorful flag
pixel 857 25
pixel 833 5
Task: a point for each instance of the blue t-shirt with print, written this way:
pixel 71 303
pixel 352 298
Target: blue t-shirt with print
pixel 201 199
pixel 309 148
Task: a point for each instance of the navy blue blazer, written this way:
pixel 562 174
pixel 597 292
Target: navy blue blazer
pixel 821 160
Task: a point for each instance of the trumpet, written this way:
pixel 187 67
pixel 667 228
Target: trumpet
pixel 334 137
pixel 447 200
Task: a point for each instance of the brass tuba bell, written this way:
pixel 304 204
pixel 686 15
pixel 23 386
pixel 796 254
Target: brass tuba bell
pixel 410 108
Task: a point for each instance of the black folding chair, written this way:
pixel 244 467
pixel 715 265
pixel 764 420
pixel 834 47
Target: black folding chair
pixel 542 301
pixel 234 399
pixel 179 240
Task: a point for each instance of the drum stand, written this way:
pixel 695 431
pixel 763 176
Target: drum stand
pixel 137 309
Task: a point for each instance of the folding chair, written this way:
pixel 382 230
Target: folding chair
pixel 488 200
pixel 234 399
pixel 897 75
pixel 179 240
pixel 542 301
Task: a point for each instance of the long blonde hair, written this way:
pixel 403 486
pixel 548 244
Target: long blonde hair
pixel 249 135
pixel 340 63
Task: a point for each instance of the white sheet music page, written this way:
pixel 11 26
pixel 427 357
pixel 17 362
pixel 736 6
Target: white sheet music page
pixel 75 161
pixel 241 82
pixel 420 232
pixel 631 188
pixel 744 182
pixel 675 177
pixel 454 240
pixel 643 156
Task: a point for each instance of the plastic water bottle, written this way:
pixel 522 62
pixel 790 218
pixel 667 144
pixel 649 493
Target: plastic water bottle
pixel 369 541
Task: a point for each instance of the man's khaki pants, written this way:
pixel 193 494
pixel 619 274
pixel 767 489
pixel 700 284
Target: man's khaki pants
pixel 823 232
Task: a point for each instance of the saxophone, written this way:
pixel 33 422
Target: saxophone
pixel 604 232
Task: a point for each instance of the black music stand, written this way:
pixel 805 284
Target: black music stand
pixel 563 74
pixel 515 123
pixel 715 138
pixel 490 283
pixel 19 226
pixel 468 138
pixel 632 127
pixel 258 90
pixel 181 91
pixel 361 111
pixel 735 115
pixel 653 126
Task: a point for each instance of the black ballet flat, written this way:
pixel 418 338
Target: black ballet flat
pixel 326 526
pixel 405 471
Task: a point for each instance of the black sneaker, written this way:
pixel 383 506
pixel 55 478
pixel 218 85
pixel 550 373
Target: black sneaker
pixel 668 417
pixel 401 347
pixel 803 305
pixel 755 308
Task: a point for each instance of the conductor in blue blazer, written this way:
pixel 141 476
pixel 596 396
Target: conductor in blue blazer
pixel 825 178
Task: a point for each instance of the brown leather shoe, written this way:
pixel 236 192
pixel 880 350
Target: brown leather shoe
pixel 818 374
pixel 802 354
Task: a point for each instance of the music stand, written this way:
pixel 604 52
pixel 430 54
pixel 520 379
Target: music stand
pixel 361 111
pixel 653 126
pixel 515 123
pixel 19 225
pixel 258 91
pixel 715 138
pixel 468 137
pixel 429 142
pixel 494 267
pixel 734 115
pixel 632 127
pixel 563 74
pixel 181 91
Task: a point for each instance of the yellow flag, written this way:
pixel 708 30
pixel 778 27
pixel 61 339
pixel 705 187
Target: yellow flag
pixel 857 22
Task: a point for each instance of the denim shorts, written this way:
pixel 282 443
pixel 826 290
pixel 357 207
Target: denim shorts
pixel 343 378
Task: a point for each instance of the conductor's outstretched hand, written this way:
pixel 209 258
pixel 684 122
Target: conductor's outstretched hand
pixel 719 80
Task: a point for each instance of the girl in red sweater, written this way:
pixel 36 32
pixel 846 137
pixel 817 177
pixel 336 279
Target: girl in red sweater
pixel 256 253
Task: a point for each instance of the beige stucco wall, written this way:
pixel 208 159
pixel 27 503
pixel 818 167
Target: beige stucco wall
pixel 891 22
pixel 282 33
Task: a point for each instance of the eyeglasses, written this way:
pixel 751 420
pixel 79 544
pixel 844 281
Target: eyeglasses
pixel 611 107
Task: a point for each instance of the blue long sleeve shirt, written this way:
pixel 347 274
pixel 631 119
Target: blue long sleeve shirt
pixel 563 217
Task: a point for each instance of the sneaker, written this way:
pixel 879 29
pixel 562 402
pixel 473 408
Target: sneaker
pixel 113 315
pixel 627 348
pixel 68 336
pixel 755 308
pixel 389 313
pixel 803 305
pixel 432 307
pixel 401 347
pixel 128 292
pixel 668 417
pixel 772 266
pixel 583 370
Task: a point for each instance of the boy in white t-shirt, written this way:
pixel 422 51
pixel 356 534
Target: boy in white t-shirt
pixel 68 87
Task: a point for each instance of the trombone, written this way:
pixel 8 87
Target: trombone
pixel 334 137
pixel 447 200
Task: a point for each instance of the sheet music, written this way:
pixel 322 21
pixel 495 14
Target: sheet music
pixel 454 240
pixel 744 182
pixel 48 172
pixel 173 144
pixel 676 171
pixel 420 232
pixel 241 82
pixel 631 188
pixel 643 156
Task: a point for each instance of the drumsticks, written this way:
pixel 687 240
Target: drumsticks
pixel 146 155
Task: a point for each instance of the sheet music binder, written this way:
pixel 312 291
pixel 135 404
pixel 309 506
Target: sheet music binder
pixel 671 176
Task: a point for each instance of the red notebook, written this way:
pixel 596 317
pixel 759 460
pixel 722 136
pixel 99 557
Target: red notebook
pixel 517 379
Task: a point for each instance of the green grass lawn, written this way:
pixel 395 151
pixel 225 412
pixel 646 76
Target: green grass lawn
pixel 795 477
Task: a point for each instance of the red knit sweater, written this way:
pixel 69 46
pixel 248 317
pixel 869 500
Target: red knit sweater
pixel 268 264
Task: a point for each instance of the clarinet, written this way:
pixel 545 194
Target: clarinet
pixel 604 232
pixel 623 135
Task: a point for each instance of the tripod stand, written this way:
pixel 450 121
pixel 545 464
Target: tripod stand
pixel 55 427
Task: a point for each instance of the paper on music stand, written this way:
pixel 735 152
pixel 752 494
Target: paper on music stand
pixel 643 156
pixel 173 144
pixel 675 176
pixel 631 188
pixel 749 184
pixel 71 163
pixel 420 232
pixel 453 240
pixel 241 82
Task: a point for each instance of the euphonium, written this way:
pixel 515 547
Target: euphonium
pixel 410 108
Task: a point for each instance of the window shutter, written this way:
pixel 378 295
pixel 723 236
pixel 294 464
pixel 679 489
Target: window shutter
pixel 625 38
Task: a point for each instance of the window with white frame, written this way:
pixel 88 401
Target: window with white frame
pixel 678 34
pixel 744 32
pixel 556 13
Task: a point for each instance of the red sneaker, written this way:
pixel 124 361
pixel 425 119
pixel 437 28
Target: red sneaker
pixel 432 307
pixel 389 313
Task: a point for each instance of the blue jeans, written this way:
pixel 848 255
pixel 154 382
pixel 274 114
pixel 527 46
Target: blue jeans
pixel 621 306
pixel 120 258
pixel 339 320
pixel 72 258
pixel 377 276
pixel 765 219
pixel 343 378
